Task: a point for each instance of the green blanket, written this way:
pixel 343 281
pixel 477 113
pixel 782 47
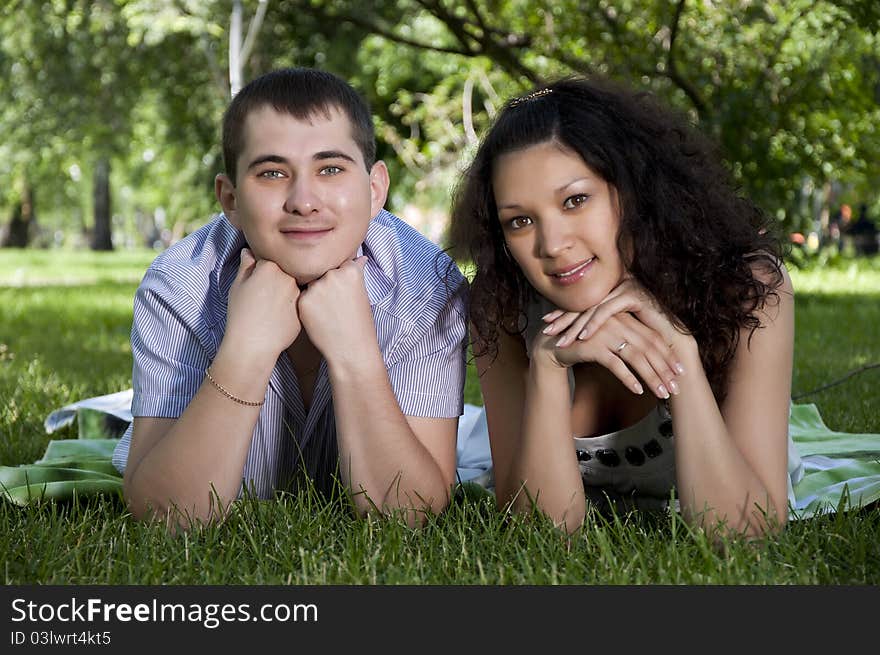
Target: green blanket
pixel 837 471
pixel 841 470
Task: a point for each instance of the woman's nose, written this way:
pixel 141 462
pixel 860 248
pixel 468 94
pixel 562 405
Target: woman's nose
pixel 554 238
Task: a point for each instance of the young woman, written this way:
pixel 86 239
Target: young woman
pixel 632 320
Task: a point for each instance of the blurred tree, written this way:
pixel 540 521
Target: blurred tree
pixel 789 90
pixel 82 75
pixel 70 84
pixel 129 93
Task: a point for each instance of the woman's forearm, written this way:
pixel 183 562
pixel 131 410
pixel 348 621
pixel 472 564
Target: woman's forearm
pixel 715 482
pixel 545 470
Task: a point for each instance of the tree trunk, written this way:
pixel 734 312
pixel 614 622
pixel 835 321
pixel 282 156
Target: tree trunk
pixel 22 224
pixel 101 238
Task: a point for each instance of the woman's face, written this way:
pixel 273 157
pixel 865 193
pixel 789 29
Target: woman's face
pixel 560 221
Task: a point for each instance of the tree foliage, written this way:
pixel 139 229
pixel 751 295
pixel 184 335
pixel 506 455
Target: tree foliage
pixel 790 90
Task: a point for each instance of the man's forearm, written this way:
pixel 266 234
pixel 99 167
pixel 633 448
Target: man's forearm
pixel 381 459
pixel 200 460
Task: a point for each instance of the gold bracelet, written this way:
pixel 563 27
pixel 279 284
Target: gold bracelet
pixel 229 395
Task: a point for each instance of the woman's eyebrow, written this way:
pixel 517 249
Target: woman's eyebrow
pixel 584 178
pixel 560 189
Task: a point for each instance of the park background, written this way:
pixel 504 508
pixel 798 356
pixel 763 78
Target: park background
pixel 109 144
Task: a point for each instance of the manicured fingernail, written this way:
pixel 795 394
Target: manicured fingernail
pixel 673 387
pixel 546 317
pixel 582 335
pixel 562 341
pixel 548 329
pixel 679 368
pixel 638 388
pixel 663 392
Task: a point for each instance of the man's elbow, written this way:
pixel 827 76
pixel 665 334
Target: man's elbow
pixel 175 514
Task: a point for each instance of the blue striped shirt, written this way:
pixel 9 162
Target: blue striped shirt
pixel 180 316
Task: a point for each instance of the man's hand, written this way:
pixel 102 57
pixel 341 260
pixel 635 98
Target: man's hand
pixel 335 311
pixel 262 318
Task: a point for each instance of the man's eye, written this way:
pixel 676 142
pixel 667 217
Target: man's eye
pixel 272 175
pixel 331 170
pixel 575 201
pixel 519 222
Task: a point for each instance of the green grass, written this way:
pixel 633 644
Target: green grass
pixel 64 329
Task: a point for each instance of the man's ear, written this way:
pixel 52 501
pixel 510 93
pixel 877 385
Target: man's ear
pixel 379 182
pixel 224 189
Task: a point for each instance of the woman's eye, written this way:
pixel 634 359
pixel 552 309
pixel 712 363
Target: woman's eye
pixel 331 170
pixel 519 222
pixel 575 201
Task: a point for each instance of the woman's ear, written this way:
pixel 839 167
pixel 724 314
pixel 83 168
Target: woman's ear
pixel 224 189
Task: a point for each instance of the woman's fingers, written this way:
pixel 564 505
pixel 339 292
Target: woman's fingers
pixel 613 304
pixel 570 335
pixel 622 372
pixel 633 352
pixel 562 321
pixel 647 353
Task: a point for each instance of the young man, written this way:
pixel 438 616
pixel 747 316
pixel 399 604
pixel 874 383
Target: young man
pixel 303 329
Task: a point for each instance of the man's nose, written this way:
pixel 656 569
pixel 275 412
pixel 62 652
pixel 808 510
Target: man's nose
pixel 302 198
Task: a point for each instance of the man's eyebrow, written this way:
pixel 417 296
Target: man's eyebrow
pixel 262 159
pixel 332 154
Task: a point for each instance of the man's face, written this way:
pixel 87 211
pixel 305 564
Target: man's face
pixel 302 197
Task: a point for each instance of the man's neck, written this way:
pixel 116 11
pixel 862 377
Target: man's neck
pixel 306 360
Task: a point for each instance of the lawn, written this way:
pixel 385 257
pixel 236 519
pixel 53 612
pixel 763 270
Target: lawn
pixel 64 329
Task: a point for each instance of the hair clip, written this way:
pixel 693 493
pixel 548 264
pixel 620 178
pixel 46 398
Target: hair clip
pixel 530 96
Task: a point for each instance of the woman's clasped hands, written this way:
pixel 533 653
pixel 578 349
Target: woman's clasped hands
pixel 627 333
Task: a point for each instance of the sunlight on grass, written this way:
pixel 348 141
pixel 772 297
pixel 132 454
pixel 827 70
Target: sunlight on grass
pixel 72 267
pixel 852 276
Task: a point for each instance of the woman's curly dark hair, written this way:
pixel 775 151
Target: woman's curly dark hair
pixel 694 243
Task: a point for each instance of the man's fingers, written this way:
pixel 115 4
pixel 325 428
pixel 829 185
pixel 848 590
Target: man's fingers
pixel 246 264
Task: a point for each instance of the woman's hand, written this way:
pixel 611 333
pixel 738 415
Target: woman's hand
pixel 627 332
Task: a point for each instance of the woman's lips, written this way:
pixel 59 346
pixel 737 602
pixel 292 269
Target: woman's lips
pixel 574 274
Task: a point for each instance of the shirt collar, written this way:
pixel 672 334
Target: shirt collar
pixel 379 246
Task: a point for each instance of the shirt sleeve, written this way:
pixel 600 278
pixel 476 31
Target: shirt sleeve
pixel 428 377
pixel 171 345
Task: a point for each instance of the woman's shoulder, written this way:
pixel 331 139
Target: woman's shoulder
pixel 779 289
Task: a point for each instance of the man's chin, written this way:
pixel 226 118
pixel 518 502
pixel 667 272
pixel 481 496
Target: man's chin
pixel 305 277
